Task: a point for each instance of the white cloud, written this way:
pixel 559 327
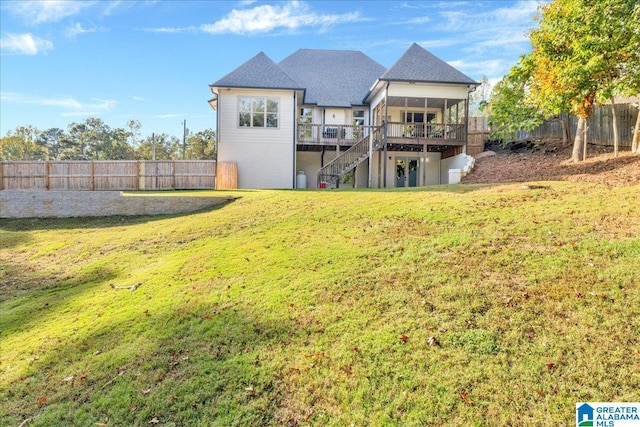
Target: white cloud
pixel 265 18
pixel 418 20
pixel 26 44
pixel 138 98
pixel 170 30
pixel 67 103
pixel 78 29
pixel 38 12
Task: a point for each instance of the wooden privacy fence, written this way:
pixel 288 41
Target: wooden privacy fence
pixel 108 175
pixel 600 124
pixel 477 135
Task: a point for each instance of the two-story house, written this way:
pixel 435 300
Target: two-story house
pixel 330 113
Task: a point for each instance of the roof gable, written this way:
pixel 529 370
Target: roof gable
pixel 258 72
pixel 332 78
pixel 417 64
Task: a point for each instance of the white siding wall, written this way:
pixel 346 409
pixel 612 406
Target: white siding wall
pixel 309 162
pixel 422 90
pixel 264 155
pixel 334 116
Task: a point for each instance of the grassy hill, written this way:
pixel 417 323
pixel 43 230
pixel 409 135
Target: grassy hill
pixel 462 305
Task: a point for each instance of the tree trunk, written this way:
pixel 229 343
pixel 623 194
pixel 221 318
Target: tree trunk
pixel 576 154
pixel 635 145
pixel 614 123
pixel 585 127
pixel 565 131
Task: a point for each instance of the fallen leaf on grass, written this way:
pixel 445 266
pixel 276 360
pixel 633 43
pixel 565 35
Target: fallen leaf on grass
pixel 539 392
pixel 357 350
pixel 403 338
pixel 551 366
pixel 465 396
pixel 309 415
pixel 433 341
pixel 145 392
pixel 315 356
pixel 42 400
pixel 347 369
pixel 249 388
pixel 154 420
pixel 68 379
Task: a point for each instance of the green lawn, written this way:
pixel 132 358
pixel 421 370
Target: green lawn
pixel 462 305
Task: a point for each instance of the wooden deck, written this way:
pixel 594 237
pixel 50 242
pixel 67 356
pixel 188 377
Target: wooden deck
pixel 397 133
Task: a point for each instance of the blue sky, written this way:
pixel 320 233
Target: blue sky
pixel 152 61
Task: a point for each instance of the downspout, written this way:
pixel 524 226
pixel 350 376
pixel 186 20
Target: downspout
pixel 370 178
pixel 217 130
pixel 466 115
pixel 384 134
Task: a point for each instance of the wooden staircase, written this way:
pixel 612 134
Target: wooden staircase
pixel 331 173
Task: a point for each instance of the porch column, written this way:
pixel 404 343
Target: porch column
pixel 425 122
pixel 425 164
pixel 386 113
pixel 444 119
pixel 466 121
pixel 370 123
pixel 405 109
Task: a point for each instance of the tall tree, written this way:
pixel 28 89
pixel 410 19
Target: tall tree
pixel 578 51
pixel 20 144
pixel 201 145
pixel 480 97
pixel 52 140
pixel 508 108
pixel 166 148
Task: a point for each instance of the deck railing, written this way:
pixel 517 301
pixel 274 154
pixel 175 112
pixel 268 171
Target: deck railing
pixel 429 131
pixel 322 134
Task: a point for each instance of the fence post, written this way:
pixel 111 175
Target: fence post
pixel 93 176
pixel 47 174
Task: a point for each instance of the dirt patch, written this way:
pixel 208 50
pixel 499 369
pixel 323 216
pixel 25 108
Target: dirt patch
pixel 550 161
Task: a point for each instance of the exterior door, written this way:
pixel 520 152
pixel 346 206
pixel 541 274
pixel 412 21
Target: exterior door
pixel 407 172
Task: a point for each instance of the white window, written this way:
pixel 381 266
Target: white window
pixel 358 117
pixel 258 112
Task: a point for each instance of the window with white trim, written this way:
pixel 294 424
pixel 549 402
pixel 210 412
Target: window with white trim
pixel 258 112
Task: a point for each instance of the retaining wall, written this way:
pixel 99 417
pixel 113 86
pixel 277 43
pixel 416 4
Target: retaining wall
pixel 65 204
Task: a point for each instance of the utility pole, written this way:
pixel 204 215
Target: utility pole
pixel 184 137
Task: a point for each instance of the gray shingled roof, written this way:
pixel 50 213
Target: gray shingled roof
pixel 258 72
pixel 417 64
pixel 332 78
